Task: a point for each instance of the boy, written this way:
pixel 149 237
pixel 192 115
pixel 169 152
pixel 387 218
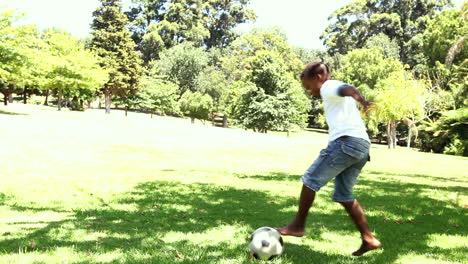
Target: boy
pixel 343 159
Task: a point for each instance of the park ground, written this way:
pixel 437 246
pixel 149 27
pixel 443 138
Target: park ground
pixel 94 188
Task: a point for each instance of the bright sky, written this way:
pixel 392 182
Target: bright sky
pixel 303 20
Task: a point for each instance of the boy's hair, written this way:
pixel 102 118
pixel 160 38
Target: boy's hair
pixel 313 69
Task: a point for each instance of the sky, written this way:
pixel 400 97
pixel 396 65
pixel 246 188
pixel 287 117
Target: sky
pixel 302 20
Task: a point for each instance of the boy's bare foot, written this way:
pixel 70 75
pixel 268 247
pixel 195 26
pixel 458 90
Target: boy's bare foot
pixel 291 230
pixel 367 246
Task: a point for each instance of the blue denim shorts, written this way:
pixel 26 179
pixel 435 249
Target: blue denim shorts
pixel 342 160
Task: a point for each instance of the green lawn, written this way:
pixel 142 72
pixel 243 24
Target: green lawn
pixel 91 188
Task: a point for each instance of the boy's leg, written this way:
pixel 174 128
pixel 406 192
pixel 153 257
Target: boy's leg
pixel 319 174
pixel 369 242
pixel 297 226
pixel 343 194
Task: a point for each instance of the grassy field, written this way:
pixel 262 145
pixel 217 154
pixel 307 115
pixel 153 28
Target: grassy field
pixel 91 188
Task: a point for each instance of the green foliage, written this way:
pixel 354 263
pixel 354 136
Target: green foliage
pixel 182 65
pixel 214 83
pixel 388 47
pixel 399 97
pixel 442 33
pixel 21 62
pixel 237 63
pixel 70 66
pixel 403 21
pixel 32 61
pixel 449 134
pixel 196 105
pixel 162 24
pixel 459 84
pixel 113 43
pixel 230 100
pixel 364 68
pixel 221 19
pixel 274 100
pixel 159 96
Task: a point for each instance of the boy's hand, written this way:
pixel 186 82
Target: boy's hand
pixel 368 106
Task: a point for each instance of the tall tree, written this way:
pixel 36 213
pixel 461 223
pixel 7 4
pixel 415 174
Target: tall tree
pixel 444 31
pixel 113 43
pixel 222 16
pixel 404 21
pixel 399 97
pixel 273 100
pixel 237 62
pixel 182 65
pixel 162 24
pixel 13 60
pixel 388 47
pixel 71 68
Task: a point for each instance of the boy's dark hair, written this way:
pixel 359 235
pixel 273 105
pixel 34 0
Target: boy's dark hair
pixel 313 69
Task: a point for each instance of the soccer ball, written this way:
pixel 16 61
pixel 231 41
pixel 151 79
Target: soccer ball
pixel 266 243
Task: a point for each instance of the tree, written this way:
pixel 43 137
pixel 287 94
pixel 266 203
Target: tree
pixel 459 84
pixel 72 69
pixel 212 82
pixel 448 134
pixel 13 60
pixel 222 17
pixel 399 97
pixel 196 105
pixel 404 21
pixel 273 100
pixel 364 68
pixel 444 31
pixel 113 43
pixel 171 22
pixel 158 96
pixel 236 63
pixel 182 65
pixel 230 101
pixel 446 52
pixel 159 37
pixel 388 47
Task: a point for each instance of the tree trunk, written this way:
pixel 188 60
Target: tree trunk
pixel 409 136
pixel 5 99
pixel 225 121
pixel 394 138
pixel 10 98
pixel 59 99
pixel 391 137
pixel 108 102
pixel 151 114
pixel 126 110
pixel 46 101
pixel 25 96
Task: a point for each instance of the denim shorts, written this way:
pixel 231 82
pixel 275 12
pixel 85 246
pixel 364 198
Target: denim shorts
pixel 342 160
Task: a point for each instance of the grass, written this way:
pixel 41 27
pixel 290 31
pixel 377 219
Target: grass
pixel 91 188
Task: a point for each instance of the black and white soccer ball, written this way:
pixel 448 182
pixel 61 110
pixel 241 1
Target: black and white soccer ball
pixel 266 243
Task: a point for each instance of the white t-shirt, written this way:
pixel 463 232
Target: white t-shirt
pixel 342 115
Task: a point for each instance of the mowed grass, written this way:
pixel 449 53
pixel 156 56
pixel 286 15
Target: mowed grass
pixel 91 188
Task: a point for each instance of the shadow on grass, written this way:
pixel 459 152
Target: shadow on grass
pixel 4 112
pixel 285 177
pixel 138 221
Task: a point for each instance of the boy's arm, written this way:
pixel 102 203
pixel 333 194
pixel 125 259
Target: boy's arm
pixel 348 90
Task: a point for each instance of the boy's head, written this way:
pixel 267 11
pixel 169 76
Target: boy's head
pixel 314 76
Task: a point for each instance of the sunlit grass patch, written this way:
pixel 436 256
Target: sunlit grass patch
pixel 90 188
